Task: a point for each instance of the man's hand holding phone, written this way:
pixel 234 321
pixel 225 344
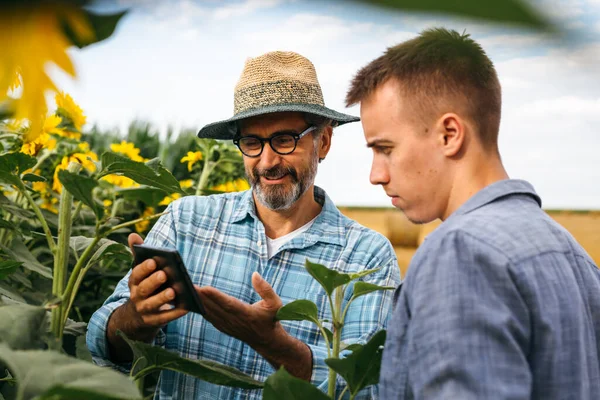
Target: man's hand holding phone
pixel 146 311
pixel 152 307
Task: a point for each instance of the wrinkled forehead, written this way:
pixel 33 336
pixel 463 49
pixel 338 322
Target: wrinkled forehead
pixel 266 124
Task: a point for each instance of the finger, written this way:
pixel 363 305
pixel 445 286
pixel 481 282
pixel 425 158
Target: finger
pixel 141 272
pixel 215 313
pixel 132 239
pixel 221 300
pixel 266 292
pixel 154 303
pixel 148 286
pixel 164 317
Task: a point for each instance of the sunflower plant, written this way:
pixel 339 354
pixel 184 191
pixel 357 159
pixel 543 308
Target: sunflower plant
pixel 66 211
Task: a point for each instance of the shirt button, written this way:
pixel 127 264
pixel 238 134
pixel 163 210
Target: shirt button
pixel 259 243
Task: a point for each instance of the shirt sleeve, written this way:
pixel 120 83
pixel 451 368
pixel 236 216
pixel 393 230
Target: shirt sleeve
pixel 469 326
pixel 163 234
pixel 366 316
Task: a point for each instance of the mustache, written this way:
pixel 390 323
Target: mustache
pixel 275 172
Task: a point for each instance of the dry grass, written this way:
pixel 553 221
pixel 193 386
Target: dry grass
pixel 584 226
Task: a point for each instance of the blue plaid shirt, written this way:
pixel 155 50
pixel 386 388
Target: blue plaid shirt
pixel 499 302
pixel 222 242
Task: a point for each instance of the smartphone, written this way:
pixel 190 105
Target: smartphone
pixel 169 260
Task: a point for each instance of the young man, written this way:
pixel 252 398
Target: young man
pixel 247 250
pixel 499 302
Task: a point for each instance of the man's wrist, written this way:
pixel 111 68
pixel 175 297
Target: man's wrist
pixel 285 350
pixel 278 342
pixel 127 320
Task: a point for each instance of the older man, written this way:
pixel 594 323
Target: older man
pixel 247 250
pixel 500 302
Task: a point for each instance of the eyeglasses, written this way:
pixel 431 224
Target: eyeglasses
pixel 282 143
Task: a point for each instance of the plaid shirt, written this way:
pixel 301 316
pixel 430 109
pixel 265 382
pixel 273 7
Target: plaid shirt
pixel 222 242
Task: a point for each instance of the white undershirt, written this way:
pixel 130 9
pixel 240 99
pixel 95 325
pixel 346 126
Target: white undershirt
pixel 273 245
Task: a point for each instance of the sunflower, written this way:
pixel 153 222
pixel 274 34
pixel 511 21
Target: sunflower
pixel 191 158
pixel 36 37
pixel 142 226
pixel 169 199
pixel 67 107
pixel 128 149
pixel 120 181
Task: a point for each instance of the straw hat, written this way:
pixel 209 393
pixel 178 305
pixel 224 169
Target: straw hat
pixel 275 82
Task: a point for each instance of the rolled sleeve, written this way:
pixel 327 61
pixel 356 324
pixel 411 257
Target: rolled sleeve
pixel 96 338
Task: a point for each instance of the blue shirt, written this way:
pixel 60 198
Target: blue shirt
pixel 222 242
pixel 500 302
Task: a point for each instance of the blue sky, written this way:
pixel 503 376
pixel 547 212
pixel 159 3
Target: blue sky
pixel 176 63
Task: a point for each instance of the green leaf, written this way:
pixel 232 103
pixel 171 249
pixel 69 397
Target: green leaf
pixel 7 225
pixel 81 349
pixel 19 252
pixel 148 195
pixel 33 178
pixel 103 26
pixel 110 248
pixel 358 275
pixel 501 11
pixel 299 310
pixel 12 165
pixel 80 243
pixel 10 293
pixel 8 267
pixel 329 334
pixel 20 277
pixel 328 278
pixel 151 173
pixel 10 207
pixel 350 347
pixel 75 328
pixel 68 393
pixel 81 187
pixel 22 326
pixel 149 358
pixel 361 368
pixel 362 288
pixel 51 375
pixel 282 385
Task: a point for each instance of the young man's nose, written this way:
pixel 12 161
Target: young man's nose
pixel 379 174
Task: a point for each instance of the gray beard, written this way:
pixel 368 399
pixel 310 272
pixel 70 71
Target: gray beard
pixel 279 197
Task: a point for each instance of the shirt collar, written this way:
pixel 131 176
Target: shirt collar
pixel 497 190
pixel 246 207
pixel 328 227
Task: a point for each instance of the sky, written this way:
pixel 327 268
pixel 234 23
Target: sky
pixel 176 62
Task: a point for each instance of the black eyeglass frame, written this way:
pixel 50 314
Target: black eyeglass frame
pixel 295 136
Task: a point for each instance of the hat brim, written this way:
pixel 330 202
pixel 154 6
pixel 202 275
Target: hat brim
pixel 227 129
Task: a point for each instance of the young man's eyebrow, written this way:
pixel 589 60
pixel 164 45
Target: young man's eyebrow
pixel 378 142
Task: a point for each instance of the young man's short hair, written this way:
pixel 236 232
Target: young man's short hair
pixel 440 71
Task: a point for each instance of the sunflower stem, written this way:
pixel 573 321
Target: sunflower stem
pixel 61 258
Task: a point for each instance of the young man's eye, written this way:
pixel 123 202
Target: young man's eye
pixel 382 150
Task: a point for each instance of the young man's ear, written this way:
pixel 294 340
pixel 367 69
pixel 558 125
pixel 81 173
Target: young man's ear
pixel 452 134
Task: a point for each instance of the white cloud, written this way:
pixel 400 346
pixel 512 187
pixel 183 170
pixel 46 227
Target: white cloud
pixel 566 106
pixel 560 9
pixel 514 41
pixel 177 63
pixel 243 8
pixel 306 31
